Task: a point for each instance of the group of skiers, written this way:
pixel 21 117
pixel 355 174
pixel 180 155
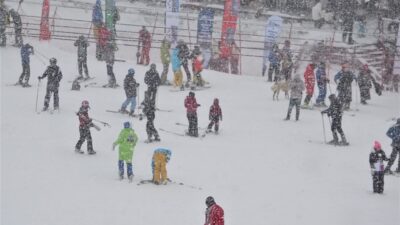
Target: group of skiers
pixel 276 57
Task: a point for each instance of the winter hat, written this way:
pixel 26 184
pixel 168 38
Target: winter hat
pixel 377 145
pixel 127 125
pixel 210 201
pixel 131 71
pixel 191 94
pixel 216 101
pixel 365 67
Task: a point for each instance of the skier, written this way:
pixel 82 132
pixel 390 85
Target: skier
pixel 161 157
pixel 214 213
pixel 126 141
pixel 130 86
pixel 322 81
pixel 214 116
pixel 364 82
pixel 176 68
pixel 82 45
pixel 104 35
pixel 149 111
pixel 85 123
pixel 376 159
pixel 394 134
pixel 3 24
pixel 309 79
pixel 335 112
pixel 54 77
pixel 296 92
pixel 165 59
pixel 191 113
pixel 287 65
pixel 197 69
pixel 348 22
pixel 274 58
pixel 184 56
pixel 26 50
pixel 152 79
pixel 17 27
pixel 344 78
pixel 109 52
pixel 145 43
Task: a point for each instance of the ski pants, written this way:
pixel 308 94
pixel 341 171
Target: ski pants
pixel 159 168
pixel 128 168
pixel 214 121
pixel 321 94
pixel 83 64
pixel 150 129
pixel 234 65
pixel 392 159
pixel 294 102
pixel 144 57
pixel 152 93
pixel 336 126
pixel 132 101
pixel 110 73
pixel 187 71
pixel 347 32
pixel 378 181
pixel 273 68
pixel 18 37
pixel 193 129
pixel 85 135
pixel 26 73
pixel 178 78
pixel 364 94
pixel 164 73
pixel 3 37
pixel 49 92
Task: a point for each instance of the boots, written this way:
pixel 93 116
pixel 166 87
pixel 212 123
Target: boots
pixel 344 141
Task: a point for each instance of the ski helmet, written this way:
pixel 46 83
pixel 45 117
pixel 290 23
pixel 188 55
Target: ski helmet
pixel 216 101
pixel 131 71
pixel 191 94
pixel 85 104
pixel 210 201
pixel 127 125
pixel 153 66
pixel 53 61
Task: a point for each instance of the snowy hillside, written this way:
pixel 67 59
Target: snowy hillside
pixel 260 169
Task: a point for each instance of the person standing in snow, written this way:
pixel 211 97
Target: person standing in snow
pixel 344 78
pixel 309 79
pixel 109 52
pixel 197 69
pixel 145 43
pixel 126 141
pixel 3 24
pixel 274 58
pixel 234 59
pixel 184 55
pixel 54 76
pixel 82 45
pixel 165 59
pixel 215 115
pixel 348 22
pixel 394 134
pixel 26 51
pixel 322 81
pixel 364 82
pixel 214 213
pixel 296 87
pixel 376 159
pixel 335 112
pixel 152 79
pixel 149 110
pixel 130 87
pixel 85 123
pixel 191 113
pixel 17 27
pixel 161 157
pixel 176 68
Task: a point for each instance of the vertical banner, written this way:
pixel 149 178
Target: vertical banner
pixel 205 27
pixel 272 30
pixel 231 14
pixel 396 66
pixel 97 14
pixel 172 20
pixel 44 22
pixel 110 14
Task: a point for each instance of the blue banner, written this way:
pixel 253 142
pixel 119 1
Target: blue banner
pixel 205 26
pixel 97 14
pixel 272 30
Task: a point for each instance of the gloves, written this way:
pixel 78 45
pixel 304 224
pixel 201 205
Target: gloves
pixel 113 146
pixel 198 105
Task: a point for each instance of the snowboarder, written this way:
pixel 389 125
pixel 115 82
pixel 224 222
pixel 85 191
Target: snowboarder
pixel 215 115
pixel 3 25
pixel 85 123
pixel 54 76
pixel 109 52
pixel 184 55
pixel 176 68
pixel 364 82
pixel 17 27
pixel 344 78
pixel 376 159
pixel 335 112
pixel 191 113
pixel 309 80
pixel 322 81
pixel 296 87
pixel 82 45
pixel 130 86
pixel 394 134
pixel 214 213
pixel 145 43
pixel 165 59
pixel 161 157
pixel 26 50
pixel 152 79
pixel 126 141
pixel 274 58
pixel 149 111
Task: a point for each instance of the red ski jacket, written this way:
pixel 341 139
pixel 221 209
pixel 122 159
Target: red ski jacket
pixel 84 120
pixel 198 65
pixel 145 38
pixel 191 104
pixel 309 79
pixel 214 215
pixel 104 35
pixel 215 111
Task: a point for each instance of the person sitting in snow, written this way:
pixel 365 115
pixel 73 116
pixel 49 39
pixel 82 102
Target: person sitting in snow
pixel 161 157
pixel 214 116
pixel 376 159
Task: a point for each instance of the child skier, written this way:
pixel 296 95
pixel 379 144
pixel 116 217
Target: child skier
pixel 191 113
pixel 214 115
pixel 309 80
pixel 376 159
pixel 161 157
pixel 85 123
pixel 130 86
pixel 127 140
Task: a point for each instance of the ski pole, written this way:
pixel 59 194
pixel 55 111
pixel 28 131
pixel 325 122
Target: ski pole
pixel 102 122
pixel 323 127
pixel 37 96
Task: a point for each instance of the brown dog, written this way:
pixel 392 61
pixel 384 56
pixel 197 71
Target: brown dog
pixel 278 86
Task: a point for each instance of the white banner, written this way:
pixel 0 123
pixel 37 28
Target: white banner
pixel 172 20
pixel 272 31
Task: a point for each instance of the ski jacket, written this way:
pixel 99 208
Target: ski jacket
pixel 82 45
pixel 144 38
pixel 164 52
pixel 321 77
pixel 127 140
pixel 130 86
pixel 26 50
pixel 191 104
pixel 175 61
pixel 197 65
pixel 215 112
pixel 166 152
pixel 53 75
pixel 214 215
pixel 344 86
pixel 376 158
pixel 334 110
pixel 364 79
pixel 394 134
pixel 152 79
pixel 16 20
pixel 309 79
pixel 196 52
pixel 84 121
pixel 296 88
pixel 274 58
pixel 184 53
